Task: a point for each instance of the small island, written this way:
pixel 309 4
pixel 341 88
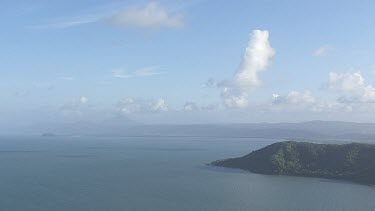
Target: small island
pixel 352 162
pixel 49 135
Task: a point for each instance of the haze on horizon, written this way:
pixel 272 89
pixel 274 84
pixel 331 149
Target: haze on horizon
pixel 177 62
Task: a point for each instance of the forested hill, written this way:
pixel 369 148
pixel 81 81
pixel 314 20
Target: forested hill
pixel 354 162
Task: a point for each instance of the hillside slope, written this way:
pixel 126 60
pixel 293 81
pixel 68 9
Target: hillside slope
pixel 354 162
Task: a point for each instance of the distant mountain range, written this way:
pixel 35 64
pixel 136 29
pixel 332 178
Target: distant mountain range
pixel 313 130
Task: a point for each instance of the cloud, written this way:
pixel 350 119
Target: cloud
pixel 210 107
pixel 143 72
pixel 295 98
pixel 352 87
pixel 119 73
pixel 147 71
pixel 234 101
pixel 67 78
pixel 304 101
pixel 68 23
pixel 322 50
pixel 131 105
pixel 190 106
pixel 210 83
pixel 354 95
pixel 151 15
pixel 76 108
pixel 83 100
pixel 159 105
pixel 346 81
pixel 255 59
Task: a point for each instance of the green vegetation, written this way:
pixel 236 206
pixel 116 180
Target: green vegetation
pixel 354 162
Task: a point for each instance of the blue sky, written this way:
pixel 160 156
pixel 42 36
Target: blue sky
pixel 171 61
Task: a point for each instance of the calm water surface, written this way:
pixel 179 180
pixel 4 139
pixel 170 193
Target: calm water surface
pixel 145 173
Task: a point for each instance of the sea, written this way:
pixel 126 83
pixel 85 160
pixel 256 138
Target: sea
pixel 156 173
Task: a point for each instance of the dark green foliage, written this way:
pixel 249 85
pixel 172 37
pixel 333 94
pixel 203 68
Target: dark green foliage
pixel 354 162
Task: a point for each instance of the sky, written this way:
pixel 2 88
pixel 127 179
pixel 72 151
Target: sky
pixel 185 62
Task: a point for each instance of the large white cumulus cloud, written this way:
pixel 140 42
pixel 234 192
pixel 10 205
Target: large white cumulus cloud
pixel 352 87
pixel 255 59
